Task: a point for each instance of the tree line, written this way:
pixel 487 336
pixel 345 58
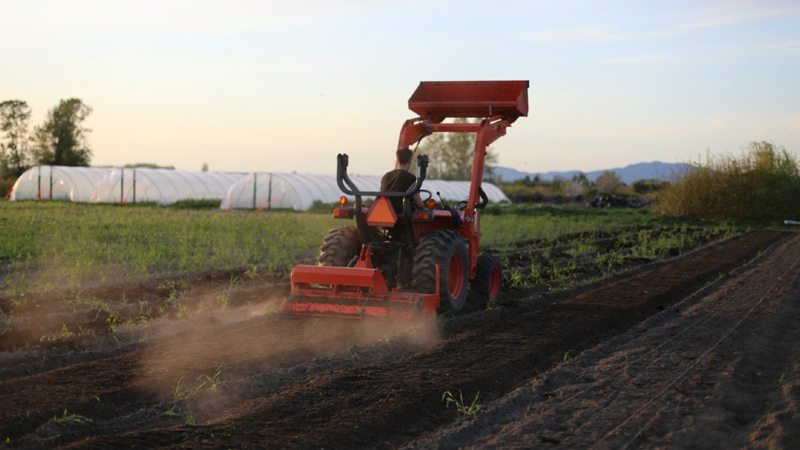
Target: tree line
pixel 61 140
pixel 535 189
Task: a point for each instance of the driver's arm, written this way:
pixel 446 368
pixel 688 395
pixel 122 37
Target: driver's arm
pixel 418 201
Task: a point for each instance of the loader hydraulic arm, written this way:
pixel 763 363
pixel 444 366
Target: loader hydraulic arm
pixel 497 104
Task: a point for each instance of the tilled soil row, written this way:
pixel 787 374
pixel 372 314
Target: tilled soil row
pixel 715 372
pixel 139 378
pixel 390 404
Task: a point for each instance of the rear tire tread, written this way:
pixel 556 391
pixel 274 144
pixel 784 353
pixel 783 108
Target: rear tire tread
pixel 478 296
pixel 339 247
pixel 434 249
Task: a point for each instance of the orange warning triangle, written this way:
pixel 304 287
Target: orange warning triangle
pixel 381 213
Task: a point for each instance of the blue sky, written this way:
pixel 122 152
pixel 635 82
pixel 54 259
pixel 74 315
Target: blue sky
pixel 282 86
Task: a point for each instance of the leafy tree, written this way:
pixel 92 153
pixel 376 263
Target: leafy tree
pixel 581 179
pixel 15 155
pixel 204 168
pixel 573 187
pixel 61 140
pixel 451 155
pixel 607 182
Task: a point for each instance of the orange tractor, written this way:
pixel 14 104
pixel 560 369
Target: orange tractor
pixel 421 261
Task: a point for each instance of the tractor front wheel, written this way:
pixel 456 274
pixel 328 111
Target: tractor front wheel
pixel 485 289
pixel 447 249
pixel 339 247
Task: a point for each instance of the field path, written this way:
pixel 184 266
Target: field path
pixel 386 404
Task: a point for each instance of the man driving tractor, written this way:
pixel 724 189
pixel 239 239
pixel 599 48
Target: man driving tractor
pixel 400 179
pixel 396 262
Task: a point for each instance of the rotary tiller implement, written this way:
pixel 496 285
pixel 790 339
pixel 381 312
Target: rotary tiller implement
pixel 422 260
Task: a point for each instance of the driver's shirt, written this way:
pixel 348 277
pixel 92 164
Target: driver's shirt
pixel 397 180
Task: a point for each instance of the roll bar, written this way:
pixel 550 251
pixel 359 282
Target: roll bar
pixel 348 187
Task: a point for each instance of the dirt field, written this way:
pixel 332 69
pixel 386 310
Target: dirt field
pixel 697 351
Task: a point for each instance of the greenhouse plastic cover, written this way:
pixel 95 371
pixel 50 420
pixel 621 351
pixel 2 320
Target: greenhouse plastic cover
pixel 299 191
pixel 109 185
pixel 162 186
pixel 165 187
pixel 68 183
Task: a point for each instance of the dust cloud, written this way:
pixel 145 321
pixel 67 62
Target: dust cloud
pixel 253 341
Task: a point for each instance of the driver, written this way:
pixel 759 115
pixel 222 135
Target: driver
pixel 400 179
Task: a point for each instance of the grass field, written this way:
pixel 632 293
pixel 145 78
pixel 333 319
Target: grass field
pixel 54 244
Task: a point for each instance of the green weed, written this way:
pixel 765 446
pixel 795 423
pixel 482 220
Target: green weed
pixel 467 409
pixel 67 419
pixel 213 381
pixel 63 333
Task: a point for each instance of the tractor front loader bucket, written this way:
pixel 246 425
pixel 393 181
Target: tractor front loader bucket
pixel 354 292
pixel 436 100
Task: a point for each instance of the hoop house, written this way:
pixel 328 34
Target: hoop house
pixel 162 186
pixel 299 191
pixel 57 183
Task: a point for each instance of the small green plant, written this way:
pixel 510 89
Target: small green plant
pixel 66 419
pixel 179 392
pixel 64 333
pixel 461 405
pixel 224 299
pixel 235 284
pixel 252 273
pixel 354 349
pixel 214 380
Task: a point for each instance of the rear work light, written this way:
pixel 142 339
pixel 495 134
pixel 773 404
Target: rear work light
pixel 343 201
pixel 423 215
pixel 343 213
pixel 431 203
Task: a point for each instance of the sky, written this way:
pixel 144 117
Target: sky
pixel 285 86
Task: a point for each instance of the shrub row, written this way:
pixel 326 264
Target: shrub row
pixel 761 184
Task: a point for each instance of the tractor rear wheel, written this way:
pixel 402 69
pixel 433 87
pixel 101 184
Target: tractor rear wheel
pixel 447 249
pixel 484 289
pixel 339 247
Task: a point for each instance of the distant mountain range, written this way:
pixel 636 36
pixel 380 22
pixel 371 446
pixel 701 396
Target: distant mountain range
pixel 628 174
